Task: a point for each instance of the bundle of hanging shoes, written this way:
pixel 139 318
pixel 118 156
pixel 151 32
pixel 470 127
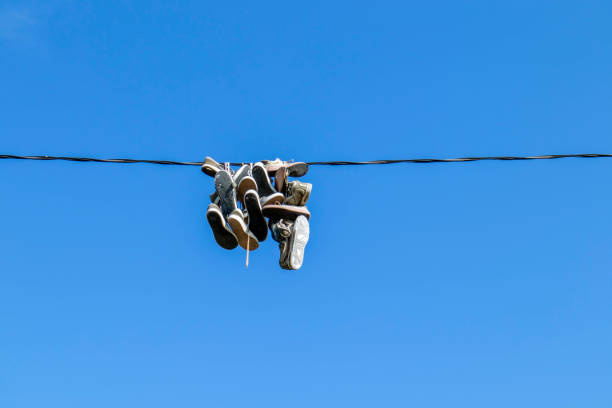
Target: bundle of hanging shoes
pixel 246 197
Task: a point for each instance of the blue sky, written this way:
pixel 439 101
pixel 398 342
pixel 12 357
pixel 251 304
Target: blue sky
pixel 470 285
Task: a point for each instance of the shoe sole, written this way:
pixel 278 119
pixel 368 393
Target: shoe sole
pixel 242 234
pixel 293 169
pixel 224 237
pixel 299 239
pixel 227 193
pixel 257 222
pixel 276 198
pixel 287 212
pixel 297 169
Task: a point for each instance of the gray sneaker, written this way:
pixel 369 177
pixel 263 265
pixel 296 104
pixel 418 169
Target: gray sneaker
pixel 226 190
pixel 292 249
pixel 298 193
pixel 238 177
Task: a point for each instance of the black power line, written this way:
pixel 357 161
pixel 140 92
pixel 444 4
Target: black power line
pixel 461 159
pixel 93 159
pixel 319 163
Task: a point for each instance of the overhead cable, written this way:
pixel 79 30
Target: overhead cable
pixel 319 163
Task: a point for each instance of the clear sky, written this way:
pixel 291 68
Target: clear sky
pixel 477 285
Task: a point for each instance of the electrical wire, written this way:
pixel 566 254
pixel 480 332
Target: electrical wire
pixel 462 159
pixel 319 163
pixel 93 159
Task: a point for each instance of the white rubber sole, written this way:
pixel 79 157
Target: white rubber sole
pixel 298 241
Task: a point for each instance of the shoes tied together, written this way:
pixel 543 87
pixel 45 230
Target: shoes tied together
pixel 244 198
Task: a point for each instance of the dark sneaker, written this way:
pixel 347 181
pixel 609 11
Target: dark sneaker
pixel 286 212
pixel 300 233
pixel 266 192
pixel 257 222
pixel 280 180
pixel 224 237
pixel 244 236
pixel 211 167
pixel 298 193
pixel 294 169
pixel 227 192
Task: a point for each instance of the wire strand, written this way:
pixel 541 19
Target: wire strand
pixel 319 163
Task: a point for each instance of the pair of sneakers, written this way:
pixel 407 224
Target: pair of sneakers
pixel 248 226
pixel 292 237
pixel 253 177
pixel 283 203
pixel 296 193
pixel 289 222
pixel 250 186
pixel 225 211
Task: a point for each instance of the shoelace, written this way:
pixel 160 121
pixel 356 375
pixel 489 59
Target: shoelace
pixel 249 224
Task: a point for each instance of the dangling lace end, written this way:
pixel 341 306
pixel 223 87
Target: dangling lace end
pixel 248 245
